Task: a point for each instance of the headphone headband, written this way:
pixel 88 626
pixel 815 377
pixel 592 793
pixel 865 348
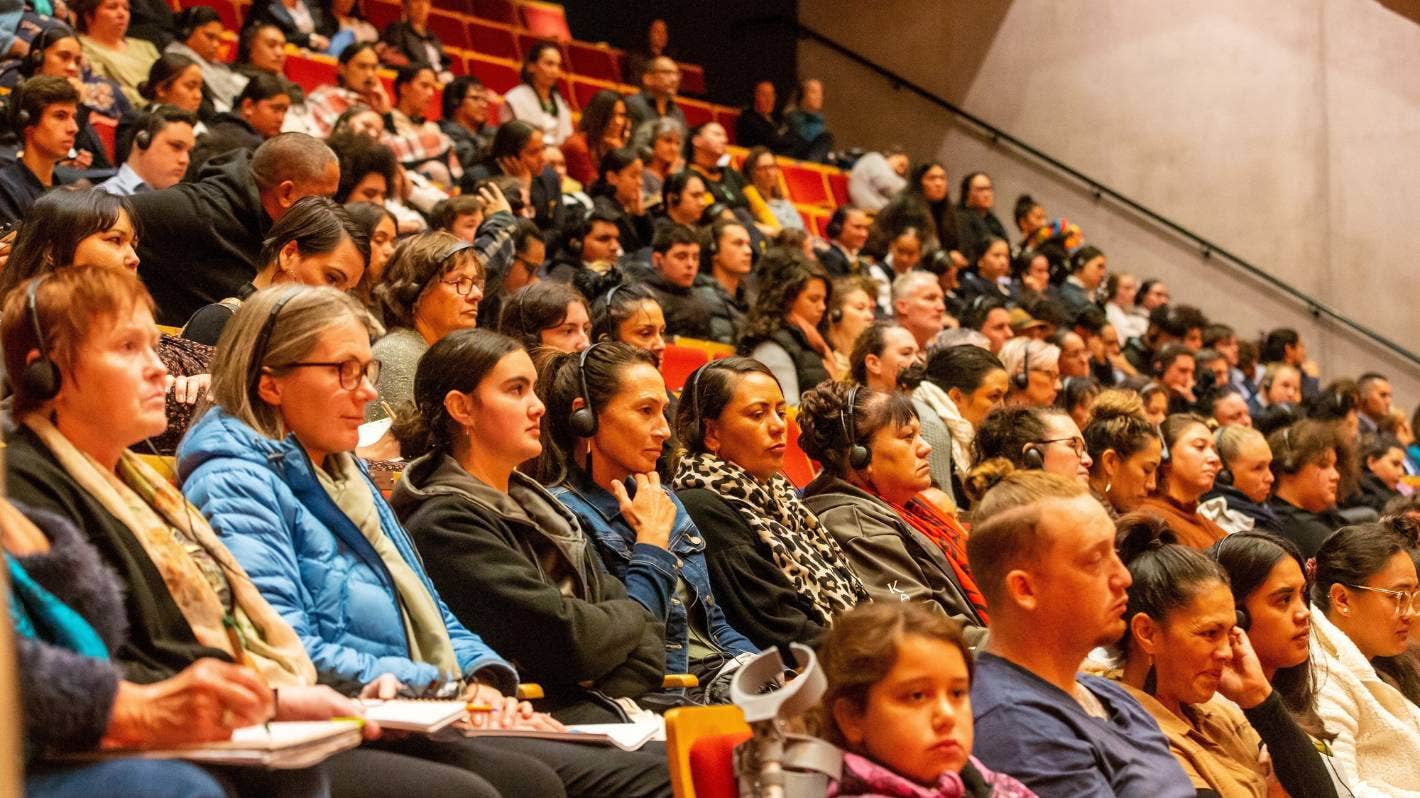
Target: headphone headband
pixel 583 420
pixel 858 455
pixel 262 340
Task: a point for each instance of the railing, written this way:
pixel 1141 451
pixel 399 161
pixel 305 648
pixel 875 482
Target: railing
pixel 1206 248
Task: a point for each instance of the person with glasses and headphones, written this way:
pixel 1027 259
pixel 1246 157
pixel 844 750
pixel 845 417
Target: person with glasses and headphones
pixel 1034 370
pixel 868 497
pixel 516 566
pixel 1025 438
pixel 1363 594
pixel 604 433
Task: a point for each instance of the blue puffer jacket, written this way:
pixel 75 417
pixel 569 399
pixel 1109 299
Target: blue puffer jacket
pixel 309 559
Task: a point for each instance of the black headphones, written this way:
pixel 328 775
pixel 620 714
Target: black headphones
pixel 40 379
pixel 692 392
pixel 34 59
pixel 19 115
pixel 409 293
pixel 262 340
pixel 1033 457
pixel 152 125
pixel 1022 380
pixel 858 455
pixel 583 421
pixel 1244 620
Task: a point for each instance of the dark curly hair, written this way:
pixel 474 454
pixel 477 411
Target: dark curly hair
pixel 783 275
pixel 823 431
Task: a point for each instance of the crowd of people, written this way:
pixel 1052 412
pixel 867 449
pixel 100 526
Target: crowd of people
pixel 1066 537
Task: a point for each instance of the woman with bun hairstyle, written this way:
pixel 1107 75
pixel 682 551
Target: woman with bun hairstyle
pixel 1181 648
pixel 867 496
pixel 1025 438
pixel 603 434
pixel 1269 584
pixel 1189 465
pixel 1363 591
pixel 960 386
pixel 1126 451
pixel 779 574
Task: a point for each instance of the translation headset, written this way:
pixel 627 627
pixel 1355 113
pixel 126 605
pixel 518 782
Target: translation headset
pixel 34 59
pixel 263 339
pixel 1225 474
pixel 152 125
pixel 1022 380
pixel 583 421
pixel 858 455
pixel 19 115
pixel 409 292
pixel 40 379
pixel 1033 457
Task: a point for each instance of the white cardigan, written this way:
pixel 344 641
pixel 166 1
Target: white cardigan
pixel 1377 729
pixel 521 102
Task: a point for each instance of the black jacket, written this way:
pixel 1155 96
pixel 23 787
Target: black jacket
pixel 686 312
pixel 727 313
pixel 1373 493
pixel 226 132
pixel 405 39
pixel 1306 529
pixel 755 595
pixel 546 605
pixel 1263 515
pixel 808 364
pixel 754 129
pixel 201 240
pixel 275 13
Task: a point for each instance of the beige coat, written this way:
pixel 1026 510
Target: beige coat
pixel 1377 729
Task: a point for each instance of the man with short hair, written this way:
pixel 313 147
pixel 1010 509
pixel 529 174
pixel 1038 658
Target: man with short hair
pixel 988 315
pixel 850 227
pixel 45 112
pixel 465 122
pixel 877 177
pixel 162 144
pixel 593 242
pixel 1375 401
pixel 1167 324
pixel 683 198
pixel 675 262
pixel 708 147
pixel 919 305
pixel 659 83
pixel 1056 589
pixel 357 83
pixel 731 257
pixel 201 239
pixel 419 143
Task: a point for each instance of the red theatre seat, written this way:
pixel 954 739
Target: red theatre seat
pixel 503 11
pixel 797 466
pixel 456 6
pixel 696 113
pixel 107 132
pixel 496 40
pixel 499 76
pixel 806 186
pixel 381 13
pixel 584 90
pixel 547 20
pixel 712 765
pixel 526 41
pixel 838 186
pixel 692 79
pixel 433 111
pixel 677 362
pixel 590 61
pixel 728 118
pixel 450 29
pixel 308 73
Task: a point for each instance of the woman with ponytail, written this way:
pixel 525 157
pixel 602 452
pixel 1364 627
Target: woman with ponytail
pixel 1183 646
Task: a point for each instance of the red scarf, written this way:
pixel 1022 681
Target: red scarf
pixel 950 537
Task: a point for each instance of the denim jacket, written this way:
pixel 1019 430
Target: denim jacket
pixel 651 573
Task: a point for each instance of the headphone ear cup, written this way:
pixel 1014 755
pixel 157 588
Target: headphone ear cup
pixel 835 316
pixel 1225 477
pixel 1244 620
pixel 859 456
pixel 1021 381
pixel 583 422
pixel 142 139
pixel 409 293
pixel 41 379
pixel 1033 458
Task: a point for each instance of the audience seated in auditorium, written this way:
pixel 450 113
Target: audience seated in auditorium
pixel 764 191
pixel 1025 438
pixel 782 330
pixel 108 49
pixel 1033 369
pixel 550 314
pixel 654 45
pixel 1186 474
pixel 1120 289
pixel 683 198
pixel 661 143
pixel 45 111
pixel 1383 463
pixel 1042 550
pixel 381 228
pixel 847 233
pixel 725 268
pixel 1126 451
pixel 868 498
pixel 850 311
pixel 537 100
pixel 461 215
pixel 988 315
pixel 880 354
pixel 675 265
pixel 1304 457
pixel 605 126
pixel 518 151
pixel 368 170
pixel 990 266
pixel 1087 273
pixel 56 51
pixel 162 145
pixel 1216 713
pixel 660 80
pixel 314 243
pixel 877 177
pixel 299 21
pixel 200 240
pixel 760 124
pixel 918 305
pixel 1284 345
pixel 779 574
pixel 806 134
pixel 409 40
pixel 1363 596
pixel 593 243
pixel 199 37
pixel 923 204
pixel 419 143
pixel 619 184
pixel 1168 324
pixel 258 113
pixel 357 84
pixel 173 80
pixel 707 159
pixel 465 119
pixel 1375 398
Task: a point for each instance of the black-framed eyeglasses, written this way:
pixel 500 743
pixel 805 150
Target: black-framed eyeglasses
pixel 350 371
pixel 1404 600
pixel 463 286
pixel 1077 444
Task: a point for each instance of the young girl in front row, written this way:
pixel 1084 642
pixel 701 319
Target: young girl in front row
pixel 899 704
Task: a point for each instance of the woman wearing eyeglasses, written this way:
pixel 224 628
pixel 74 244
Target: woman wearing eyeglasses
pixel 1189 465
pixel 1363 591
pixel 1023 437
pixel 1034 369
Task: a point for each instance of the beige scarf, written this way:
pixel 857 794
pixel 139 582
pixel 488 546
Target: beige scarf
pixel 150 508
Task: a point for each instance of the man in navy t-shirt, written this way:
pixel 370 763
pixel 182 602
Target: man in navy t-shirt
pixel 1056 590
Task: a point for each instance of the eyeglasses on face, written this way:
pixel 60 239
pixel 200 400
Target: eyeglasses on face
pixel 350 371
pixel 1076 443
pixel 463 286
pixel 1404 600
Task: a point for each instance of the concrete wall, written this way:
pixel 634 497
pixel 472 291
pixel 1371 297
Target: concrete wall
pixel 1285 132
